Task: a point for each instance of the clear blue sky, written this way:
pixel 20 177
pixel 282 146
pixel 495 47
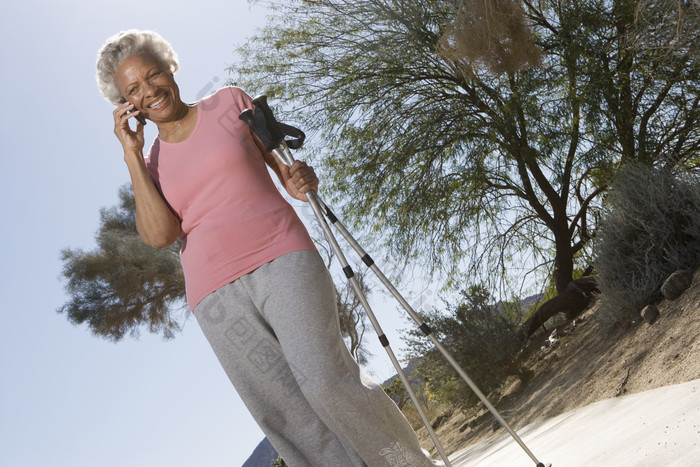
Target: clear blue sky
pixel 67 398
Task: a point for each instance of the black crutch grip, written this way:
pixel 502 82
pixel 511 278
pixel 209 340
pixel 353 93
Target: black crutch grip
pixel 269 134
pixel 264 118
pixel 269 131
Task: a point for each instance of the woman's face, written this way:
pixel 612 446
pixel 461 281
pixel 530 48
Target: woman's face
pixel 153 90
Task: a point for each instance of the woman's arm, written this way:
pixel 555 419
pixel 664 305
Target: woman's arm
pixel 156 223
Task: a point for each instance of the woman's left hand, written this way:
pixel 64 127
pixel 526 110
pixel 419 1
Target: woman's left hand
pixel 299 179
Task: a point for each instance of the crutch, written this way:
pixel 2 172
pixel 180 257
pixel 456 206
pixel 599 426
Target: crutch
pixel 272 135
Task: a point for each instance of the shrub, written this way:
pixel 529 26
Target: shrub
pixel 482 339
pixel 651 228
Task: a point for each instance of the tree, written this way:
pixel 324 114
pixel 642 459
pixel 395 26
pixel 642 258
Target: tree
pixel 500 158
pixel 351 312
pixel 397 392
pixel 352 318
pixel 124 285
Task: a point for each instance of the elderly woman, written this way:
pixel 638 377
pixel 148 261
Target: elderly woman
pixel 254 280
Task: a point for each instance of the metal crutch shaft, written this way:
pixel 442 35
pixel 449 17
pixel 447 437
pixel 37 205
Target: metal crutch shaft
pixel 367 259
pixel 314 201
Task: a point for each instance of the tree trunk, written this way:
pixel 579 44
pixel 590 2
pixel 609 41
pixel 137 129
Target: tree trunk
pixel 563 264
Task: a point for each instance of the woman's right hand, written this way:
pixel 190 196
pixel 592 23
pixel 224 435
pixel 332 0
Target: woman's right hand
pixel 131 140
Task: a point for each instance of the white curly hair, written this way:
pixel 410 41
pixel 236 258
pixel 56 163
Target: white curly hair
pixel 125 44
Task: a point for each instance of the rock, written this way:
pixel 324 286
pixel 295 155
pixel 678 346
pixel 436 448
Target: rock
pixel 621 388
pixel 650 313
pixel 478 420
pixel 438 421
pixel 495 425
pixel 442 418
pixel 676 284
pixel 553 340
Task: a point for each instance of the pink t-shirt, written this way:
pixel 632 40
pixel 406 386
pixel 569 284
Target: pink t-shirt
pixel 234 219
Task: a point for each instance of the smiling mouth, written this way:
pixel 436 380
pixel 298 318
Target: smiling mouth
pixel 158 103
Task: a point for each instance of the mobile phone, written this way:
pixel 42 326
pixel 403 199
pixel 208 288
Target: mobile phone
pixel 140 118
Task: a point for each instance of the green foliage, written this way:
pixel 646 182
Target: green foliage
pixel 397 392
pixel 451 162
pixel 279 462
pixel 123 284
pixel 422 389
pixel 481 336
pixel 651 229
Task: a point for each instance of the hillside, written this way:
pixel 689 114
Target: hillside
pixel 587 365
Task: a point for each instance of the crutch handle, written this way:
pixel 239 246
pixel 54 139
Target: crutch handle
pixel 269 135
pixel 269 131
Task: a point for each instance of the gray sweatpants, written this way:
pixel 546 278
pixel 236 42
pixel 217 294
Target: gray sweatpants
pixel 276 333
